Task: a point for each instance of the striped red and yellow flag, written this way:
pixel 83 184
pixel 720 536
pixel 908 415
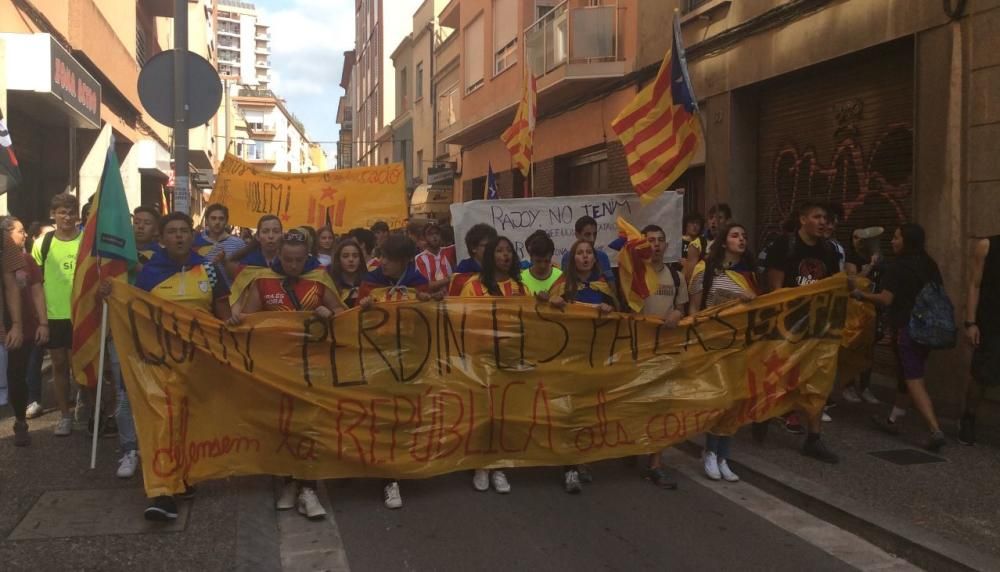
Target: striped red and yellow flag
pixel 107 251
pixel 638 280
pixel 519 137
pixel 659 128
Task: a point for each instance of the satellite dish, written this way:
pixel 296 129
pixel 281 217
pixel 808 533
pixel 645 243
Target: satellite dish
pixel 156 88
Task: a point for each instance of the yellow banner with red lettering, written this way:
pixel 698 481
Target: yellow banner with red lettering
pixel 418 389
pixel 347 198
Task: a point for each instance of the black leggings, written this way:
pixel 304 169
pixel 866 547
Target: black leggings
pixel 17 379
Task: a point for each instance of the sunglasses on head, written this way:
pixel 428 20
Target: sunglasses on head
pixel 294 237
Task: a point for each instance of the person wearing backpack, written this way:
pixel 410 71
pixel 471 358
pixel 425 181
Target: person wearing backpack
pixel 56 254
pixel 912 290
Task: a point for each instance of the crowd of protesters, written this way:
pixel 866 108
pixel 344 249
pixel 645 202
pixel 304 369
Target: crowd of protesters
pixel 371 265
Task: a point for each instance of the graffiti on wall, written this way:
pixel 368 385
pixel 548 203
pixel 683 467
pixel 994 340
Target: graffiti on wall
pixel 873 187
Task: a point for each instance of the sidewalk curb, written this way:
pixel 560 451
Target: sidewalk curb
pixel 257 545
pixel 889 533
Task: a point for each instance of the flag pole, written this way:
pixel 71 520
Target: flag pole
pixel 100 382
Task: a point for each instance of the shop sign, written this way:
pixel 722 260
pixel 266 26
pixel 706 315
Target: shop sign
pixel 73 85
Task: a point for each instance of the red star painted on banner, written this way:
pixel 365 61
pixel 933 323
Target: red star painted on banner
pixel 773 363
pixel 285 217
pixel 327 194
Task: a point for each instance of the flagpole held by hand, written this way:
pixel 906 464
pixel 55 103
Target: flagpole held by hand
pixel 100 382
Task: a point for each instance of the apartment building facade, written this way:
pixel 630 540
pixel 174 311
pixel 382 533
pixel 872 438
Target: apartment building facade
pixel 887 107
pixel 276 139
pixel 244 43
pixel 377 32
pixel 345 114
pixel 70 68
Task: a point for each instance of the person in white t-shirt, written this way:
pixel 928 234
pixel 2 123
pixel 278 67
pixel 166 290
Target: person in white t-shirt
pixel 667 302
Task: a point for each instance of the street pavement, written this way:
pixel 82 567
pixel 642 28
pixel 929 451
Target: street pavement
pixel 619 522
pixel 954 499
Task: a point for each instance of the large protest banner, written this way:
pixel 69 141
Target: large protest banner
pixel 518 218
pixel 347 198
pixel 419 389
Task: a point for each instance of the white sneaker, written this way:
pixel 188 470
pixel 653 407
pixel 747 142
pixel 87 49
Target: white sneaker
pixel 826 417
pixel 712 466
pixel 571 482
pixel 727 473
pixel 500 483
pixel 850 395
pixel 309 505
pixel 286 500
pixel 869 397
pixel 34 410
pixel 481 480
pixel 127 465
pixel 64 427
pixel 392 497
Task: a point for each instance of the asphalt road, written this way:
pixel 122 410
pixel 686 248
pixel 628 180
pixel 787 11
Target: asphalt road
pixel 619 523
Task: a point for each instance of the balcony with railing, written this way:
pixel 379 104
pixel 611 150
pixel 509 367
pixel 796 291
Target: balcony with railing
pixel 448 110
pixel 261 129
pixel 578 41
pixel 263 64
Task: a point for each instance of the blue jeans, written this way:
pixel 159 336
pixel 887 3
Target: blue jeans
pixel 127 439
pixel 718 444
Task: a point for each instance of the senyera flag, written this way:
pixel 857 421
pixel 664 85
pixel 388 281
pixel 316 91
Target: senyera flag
pixel 107 250
pixel 519 137
pixel 659 128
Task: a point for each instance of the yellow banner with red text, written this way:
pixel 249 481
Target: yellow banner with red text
pixel 418 389
pixel 344 198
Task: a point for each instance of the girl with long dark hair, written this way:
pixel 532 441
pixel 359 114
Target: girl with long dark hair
pixel 726 274
pixel 325 241
pixel 347 268
pixel 902 282
pixel 582 283
pixel 500 276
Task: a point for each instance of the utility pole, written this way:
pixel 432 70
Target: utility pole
pixel 182 180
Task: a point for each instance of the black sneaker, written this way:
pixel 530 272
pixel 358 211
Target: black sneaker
pixel 585 475
pixel 967 430
pixel 188 494
pixel 935 442
pixel 660 478
pixel 817 450
pixel 759 431
pixel 21 437
pixel 885 425
pixel 162 509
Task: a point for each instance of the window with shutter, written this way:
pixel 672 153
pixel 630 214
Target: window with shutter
pixel 474 54
pixel 504 35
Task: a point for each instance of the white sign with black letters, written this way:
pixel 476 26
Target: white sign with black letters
pixel 517 219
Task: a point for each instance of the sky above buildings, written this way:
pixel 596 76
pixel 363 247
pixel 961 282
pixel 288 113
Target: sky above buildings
pixel 308 40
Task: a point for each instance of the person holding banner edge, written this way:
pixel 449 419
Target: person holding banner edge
pixel 667 302
pixel 726 274
pixel 395 279
pixel 177 274
pixel 582 283
pixel 290 291
pixel 501 276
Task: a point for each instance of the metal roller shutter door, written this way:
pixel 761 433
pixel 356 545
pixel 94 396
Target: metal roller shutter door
pixel 842 132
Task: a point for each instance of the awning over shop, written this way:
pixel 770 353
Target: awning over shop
pixel 46 82
pixel 431 203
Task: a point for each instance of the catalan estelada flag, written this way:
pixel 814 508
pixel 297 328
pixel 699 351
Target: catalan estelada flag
pixel 519 137
pixel 660 129
pixel 107 250
pixel 491 192
pixel 634 271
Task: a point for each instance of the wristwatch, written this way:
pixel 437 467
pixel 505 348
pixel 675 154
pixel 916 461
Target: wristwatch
pixel 969 324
